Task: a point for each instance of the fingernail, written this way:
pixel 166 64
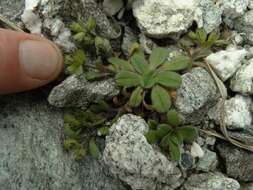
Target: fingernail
pixel 39 59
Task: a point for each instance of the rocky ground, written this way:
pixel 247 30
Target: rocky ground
pixel 31 134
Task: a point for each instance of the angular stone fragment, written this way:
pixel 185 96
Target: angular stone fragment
pixel 239 162
pixel 198 92
pixel 159 19
pixel 129 156
pixel 226 62
pixel 237 114
pixel 242 82
pixel 78 92
pixel 208 162
pixel 210 181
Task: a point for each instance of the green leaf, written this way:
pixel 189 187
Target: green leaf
pixel 179 137
pixel 212 39
pixel 121 64
pixel 76 27
pixel 188 133
pixel 79 37
pixel 136 97
pixel 102 45
pixel 148 79
pixel 163 130
pixel 202 36
pixel 91 24
pixel 93 149
pixel 174 151
pixel 128 79
pixel 192 35
pixel 101 106
pixel 80 153
pixel 157 57
pixel 152 124
pixel 93 75
pixel 68 131
pixel 151 136
pixel 165 141
pixel 173 118
pixel 201 54
pixel 161 100
pixel 79 57
pixel 174 138
pixel 180 62
pixel 103 131
pixel 69 144
pixel 70 119
pixel 139 62
pixel 169 79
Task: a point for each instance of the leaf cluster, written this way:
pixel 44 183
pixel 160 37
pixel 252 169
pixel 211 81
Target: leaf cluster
pixel 81 128
pixel 171 135
pixel 87 40
pixel 155 76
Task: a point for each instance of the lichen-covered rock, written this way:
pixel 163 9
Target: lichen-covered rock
pixel 243 80
pixel 129 156
pixel 208 15
pixel 12 9
pixel 237 114
pixel 210 181
pixel 162 18
pixel 111 7
pixel 233 8
pixel 226 62
pixel 208 162
pixel 239 162
pixel 128 39
pixel 31 151
pixel 196 95
pixel 78 92
pixel 247 186
pixel 244 25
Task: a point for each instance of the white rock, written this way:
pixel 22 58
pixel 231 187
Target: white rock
pixel 32 22
pixel 196 150
pixel 161 18
pixel 233 8
pixel 131 158
pixel 243 80
pixel 226 62
pixel 237 114
pixel 111 7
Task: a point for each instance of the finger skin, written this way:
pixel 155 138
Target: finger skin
pixel 12 75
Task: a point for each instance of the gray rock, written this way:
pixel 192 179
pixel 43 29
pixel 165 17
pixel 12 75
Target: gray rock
pixel 233 8
pixel 239 163
pixel 160 19
pixel 78 92
pixel 243 80
pixel 128 39
pixel 187 161
pixel 237 114
pixel 211 181
pixel 226 62
pixel 244 25
pixel 12 9
pixel 208 162
pixel 129 156
pixel 208 15
pixel 250 4
pixel 31 152
pixel 146 43
pixel 196 95
pixel 112 7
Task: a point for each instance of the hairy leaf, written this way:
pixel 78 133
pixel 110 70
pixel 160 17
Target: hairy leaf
pixel 157 57
pixel 151 136
pixel 163 130
pixel 174 151
pixel 103 131
pixel 136 97
pixel 93 75
pixel 76 27
pixel 169 79
pixel 80 153
pixel 121 64
pixel 128 79
pixel 161 100
pixel 71 120
pixel 152 124
pixel 212 39
pixel 68 131
pixel 93 149
pixel 173 118
pixel 91 24
pixel 180 62
pixel 188 133
pixel 139 63
pixel 202 36
pixel 70 144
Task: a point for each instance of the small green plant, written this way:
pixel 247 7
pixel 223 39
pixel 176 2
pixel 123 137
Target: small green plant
pixel 88 44
pixel 153 77
pixel 171 135
pixel 81 128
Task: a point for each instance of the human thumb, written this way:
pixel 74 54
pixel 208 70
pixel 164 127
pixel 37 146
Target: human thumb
pixel 27 61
